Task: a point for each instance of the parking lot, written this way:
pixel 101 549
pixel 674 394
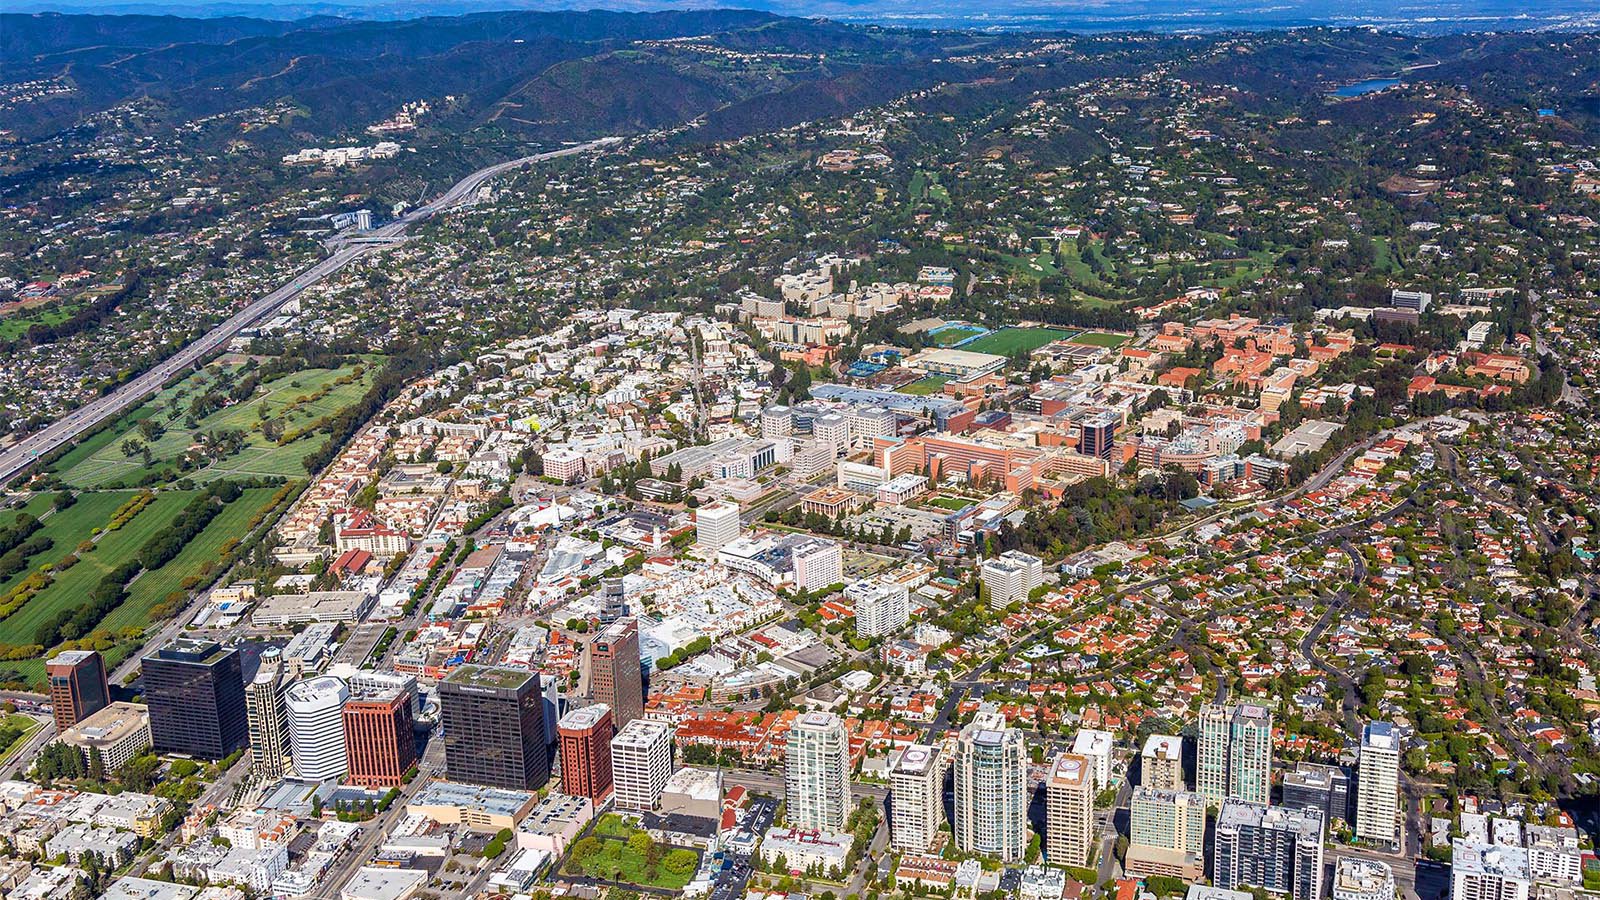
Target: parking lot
pixel 735 875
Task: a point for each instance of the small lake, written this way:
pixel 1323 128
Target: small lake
pixel 1370 86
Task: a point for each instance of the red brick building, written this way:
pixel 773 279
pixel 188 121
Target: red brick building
pixel 378 739
pixel 585 736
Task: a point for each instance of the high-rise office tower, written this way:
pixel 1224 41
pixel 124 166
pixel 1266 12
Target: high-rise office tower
pixel 195 691
pixel 716 525
pixel 991 791
pixel 615 677
pixel 1097 434
pixel 493 722
pixel 1270 847
pixel 267 718
pixel 641 763
pixel 1069 810
pixel 316 727
pixel 816 772
pixel 78 686
pixel 916 793
pixel 1234 753
pixel 379 736
pixel 585 735
pixel 1161 763
pixel 1378 783
pixel 1166 834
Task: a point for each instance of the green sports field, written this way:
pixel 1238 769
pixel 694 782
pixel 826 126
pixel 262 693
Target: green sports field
pixel 924 387
pixel 1011 341
pixel 955 335
pixel 1101 339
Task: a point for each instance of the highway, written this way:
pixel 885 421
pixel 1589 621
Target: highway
pixel 63 431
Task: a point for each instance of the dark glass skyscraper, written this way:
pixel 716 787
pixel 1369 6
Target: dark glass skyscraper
pixel 494 728
pixel 195 691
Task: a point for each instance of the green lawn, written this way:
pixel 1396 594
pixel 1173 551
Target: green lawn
pixel 1038 265
pixel 1383 256
pixel 1101 339
pixel 17 324
pixel 67 528
pixel 105 437
pixel 297 402
pixel 36 506
pixel 951 503
pixel 613 825
pixel 15 729
pixel 1010 341
pixel 1076 268
pixel 927 187
pixel 206 550
pixel 93 510
pixel 932 384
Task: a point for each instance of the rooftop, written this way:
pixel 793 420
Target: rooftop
pixel 1070 770
pixel 472 796
pixel 191 650
pixel 108 726
pixel 1379 736
pixel 1163 746
pixel 489 676
pixel 917 759
pixel 584 717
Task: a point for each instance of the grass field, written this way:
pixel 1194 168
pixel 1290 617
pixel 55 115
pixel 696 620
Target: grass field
pixel 1039 265
pixel 613 825
pixel 92 511
pixel 16 324
pixel 105 437
pixel 1101 339
pixel 925 186
pixel 951 503
pixel 1011 341
pixel 36 506
pixel 295 402
pixel 66 529
pixel 925 387
pixel 22 727
pixel 70 588
pixel 206 550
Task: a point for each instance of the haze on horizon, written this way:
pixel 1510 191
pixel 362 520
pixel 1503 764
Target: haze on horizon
pixel 1080 15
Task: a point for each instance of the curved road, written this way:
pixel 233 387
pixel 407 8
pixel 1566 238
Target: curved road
pixel 17 459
